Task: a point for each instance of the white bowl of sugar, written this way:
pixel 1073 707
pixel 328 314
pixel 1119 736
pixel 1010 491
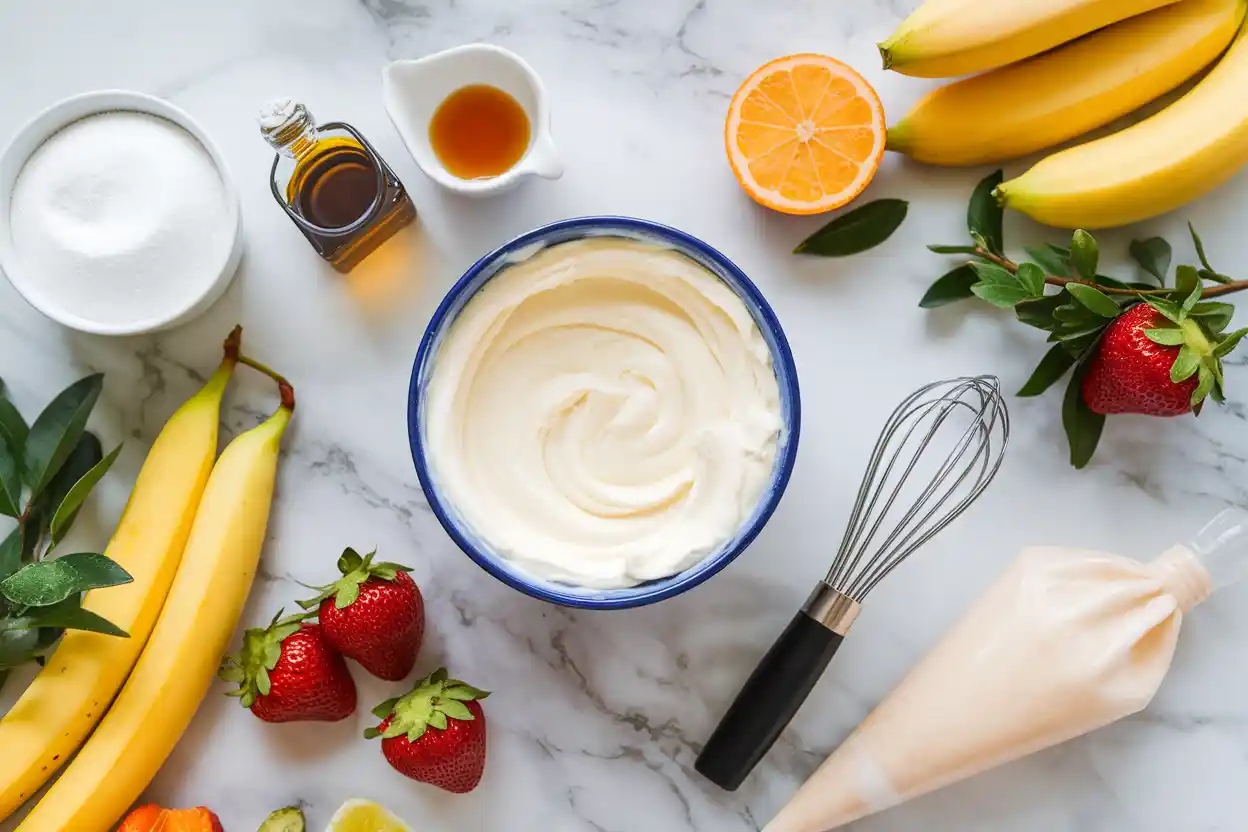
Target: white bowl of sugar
pixel 117 214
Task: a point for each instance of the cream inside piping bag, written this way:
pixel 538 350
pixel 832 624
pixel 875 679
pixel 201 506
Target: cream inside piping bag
pixel 1065 642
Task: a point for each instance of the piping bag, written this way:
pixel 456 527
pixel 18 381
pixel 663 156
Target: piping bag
pixel 1066 641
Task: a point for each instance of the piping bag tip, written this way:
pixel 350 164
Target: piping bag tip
pixel 1222 548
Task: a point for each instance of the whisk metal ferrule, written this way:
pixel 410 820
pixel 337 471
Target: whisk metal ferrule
pixel 832 609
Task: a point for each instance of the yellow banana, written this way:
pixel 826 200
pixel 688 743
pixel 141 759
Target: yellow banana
pixel 67 698
pixel 182 656
pixel 1165 161
pixel 947 38
pixel 1053 97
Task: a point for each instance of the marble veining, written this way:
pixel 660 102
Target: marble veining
pixel 596 719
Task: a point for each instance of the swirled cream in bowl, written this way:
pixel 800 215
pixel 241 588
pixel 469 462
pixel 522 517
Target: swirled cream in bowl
pixel 604 412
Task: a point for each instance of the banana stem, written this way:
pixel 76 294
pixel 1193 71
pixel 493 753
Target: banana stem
pixel 233 343
pixel 1054 280
pixel 284 387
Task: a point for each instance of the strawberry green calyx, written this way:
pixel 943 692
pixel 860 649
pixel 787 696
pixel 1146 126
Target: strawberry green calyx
pixel 262 647
pixel 355 569
pixel 435 699
pixel 1200 349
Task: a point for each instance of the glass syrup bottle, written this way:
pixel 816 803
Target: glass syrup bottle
pixel 332 184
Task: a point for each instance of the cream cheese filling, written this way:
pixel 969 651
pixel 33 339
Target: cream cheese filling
pixel 603 413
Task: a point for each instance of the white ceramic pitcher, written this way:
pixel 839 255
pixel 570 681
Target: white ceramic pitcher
pixel 414 89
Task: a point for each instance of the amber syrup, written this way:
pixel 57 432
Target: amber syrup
pixel 479 132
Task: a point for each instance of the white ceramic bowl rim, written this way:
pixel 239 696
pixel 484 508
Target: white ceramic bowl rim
pixel 47 123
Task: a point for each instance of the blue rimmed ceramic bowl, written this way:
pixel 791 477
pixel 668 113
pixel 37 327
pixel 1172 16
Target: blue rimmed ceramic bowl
pixel 524 246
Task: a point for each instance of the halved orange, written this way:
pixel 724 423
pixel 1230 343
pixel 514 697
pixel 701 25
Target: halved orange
pixel 805 134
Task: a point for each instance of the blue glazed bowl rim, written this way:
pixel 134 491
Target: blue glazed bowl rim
pixel 695 574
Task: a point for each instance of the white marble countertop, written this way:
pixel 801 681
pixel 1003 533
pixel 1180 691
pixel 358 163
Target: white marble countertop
pixel 597 718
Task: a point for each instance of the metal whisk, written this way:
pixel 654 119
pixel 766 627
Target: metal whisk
pixel 936 454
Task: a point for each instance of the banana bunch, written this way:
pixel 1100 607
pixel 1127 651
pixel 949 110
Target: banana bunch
pixel 1057 69
pixel 191 536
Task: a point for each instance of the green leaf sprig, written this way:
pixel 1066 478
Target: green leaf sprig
pixel 47 471
pixel 1087 302
pixel 856 231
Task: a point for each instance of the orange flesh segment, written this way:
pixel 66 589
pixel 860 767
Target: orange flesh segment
pixel 805 134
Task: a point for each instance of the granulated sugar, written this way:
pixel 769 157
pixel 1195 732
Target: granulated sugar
pixel 121 217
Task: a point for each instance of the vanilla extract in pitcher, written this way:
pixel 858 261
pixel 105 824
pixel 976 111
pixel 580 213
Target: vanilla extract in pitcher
pixel 335 188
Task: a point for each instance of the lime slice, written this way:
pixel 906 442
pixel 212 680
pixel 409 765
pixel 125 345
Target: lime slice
pixel 359 815
pixel 289 819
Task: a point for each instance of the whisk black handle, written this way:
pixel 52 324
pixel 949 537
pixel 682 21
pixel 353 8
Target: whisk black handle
pixel 776 689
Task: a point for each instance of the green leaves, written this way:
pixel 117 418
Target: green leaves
pixel 95 571
pixel 1055 260
pixel 1186 281
pixel 1083 426
pixel 1056 362
pixel 952 249
pixel 950 288
pixel 1094 300
pixel 10 482
pixel 69 615
pixel 13 432
pixel 1084 255
pixel 11 554
pixel 997 286
pixel 1032 278
pixel 1075 327
pixel 67 511
pixel 54 464
pixel 39 584
pixel 984 215
pixel 1088 303
pixel 55 433
pixel 856 231
pixel 49 582
pixel 1040 312
pixel 1208 272
pixel 1153 255
pixel 13 428
pixel 1004 290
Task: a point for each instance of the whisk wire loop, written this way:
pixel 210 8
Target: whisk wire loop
pixel 880 535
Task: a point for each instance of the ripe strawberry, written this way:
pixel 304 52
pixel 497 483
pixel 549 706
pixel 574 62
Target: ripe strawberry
pixel 374 614
pixel 1154 362
pixel 153 818
pixel 288 672
pixel 1130 373
pixel 436 733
